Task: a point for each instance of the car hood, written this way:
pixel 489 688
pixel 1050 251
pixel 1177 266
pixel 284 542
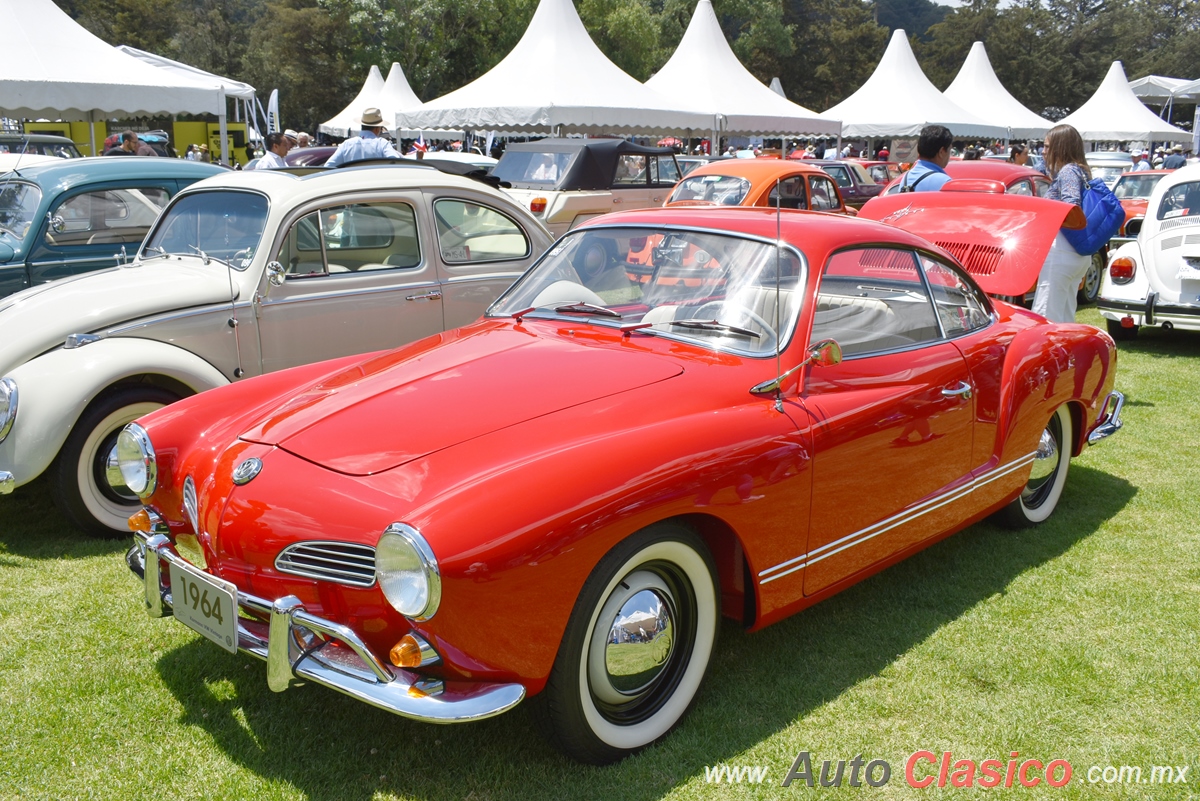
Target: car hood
pixel 39 318
pixel 409 403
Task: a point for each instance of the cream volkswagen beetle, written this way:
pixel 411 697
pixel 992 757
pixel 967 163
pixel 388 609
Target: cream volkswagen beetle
pixel 243 274
pixel 1155 279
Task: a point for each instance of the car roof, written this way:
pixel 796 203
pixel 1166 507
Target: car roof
pixel 70 172
pixel 299 185
pixel 992 170
pixel 42 138
pixel 571 145
pixel 755 169
pixel 816 232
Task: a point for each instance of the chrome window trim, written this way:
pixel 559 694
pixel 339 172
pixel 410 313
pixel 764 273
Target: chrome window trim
pixel 524 232
pixel 185 193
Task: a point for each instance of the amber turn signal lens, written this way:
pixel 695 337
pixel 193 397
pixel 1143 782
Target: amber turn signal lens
pixel 406 653
pixel 140 521
pixel 537 205
pixel 1121 270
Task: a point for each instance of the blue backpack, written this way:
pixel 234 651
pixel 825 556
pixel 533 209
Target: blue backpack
pixel 1104 218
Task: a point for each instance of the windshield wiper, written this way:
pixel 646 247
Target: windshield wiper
pixel 161 252
pixel 713 325
pixel 207 258
pixel 580 307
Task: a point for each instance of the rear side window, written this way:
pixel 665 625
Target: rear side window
pixel 353 238
pixel 959 305
pixel 468 232
pixel 839 174
pixel 824 195
pixel 631 170
pixel 663 170
pixel 1181 200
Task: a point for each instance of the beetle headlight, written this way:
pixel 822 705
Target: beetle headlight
pixel 407 572
pixel 135 458
pixel 8 406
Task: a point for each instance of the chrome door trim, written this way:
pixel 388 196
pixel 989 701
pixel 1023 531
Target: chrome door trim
pixel 352 291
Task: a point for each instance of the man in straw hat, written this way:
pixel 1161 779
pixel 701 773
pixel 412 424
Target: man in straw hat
pixel 367 145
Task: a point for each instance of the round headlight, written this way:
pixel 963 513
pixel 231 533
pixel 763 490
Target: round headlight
pixel 407 572
pixel 8 406
pixel 135 458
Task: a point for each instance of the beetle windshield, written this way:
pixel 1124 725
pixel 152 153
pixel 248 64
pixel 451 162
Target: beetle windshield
pixel 714 289
pixel 18 205
pixel 222 225
pixel 1181 200
pixel 720 190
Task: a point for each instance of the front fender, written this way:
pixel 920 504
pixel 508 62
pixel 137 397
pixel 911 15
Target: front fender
pixel 56 387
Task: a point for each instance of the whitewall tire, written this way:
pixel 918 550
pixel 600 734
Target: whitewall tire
pixel 1048 475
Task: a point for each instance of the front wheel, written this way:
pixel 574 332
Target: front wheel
pixel 636 647
pixel 88 488
pixel 1047 476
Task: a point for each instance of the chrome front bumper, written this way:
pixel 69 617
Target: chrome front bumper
pixel 352 670
pixel 1109 422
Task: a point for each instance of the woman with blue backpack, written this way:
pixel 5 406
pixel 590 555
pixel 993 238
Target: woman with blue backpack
pixel 1072 251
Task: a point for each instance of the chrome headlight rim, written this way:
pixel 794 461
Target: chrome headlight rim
pixel 403 535
pixel 8 406
pixel 141 470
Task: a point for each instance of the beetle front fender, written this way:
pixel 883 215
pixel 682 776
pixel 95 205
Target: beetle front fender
pixel 56 387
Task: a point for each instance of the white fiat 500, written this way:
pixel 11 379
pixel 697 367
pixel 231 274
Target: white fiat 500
pixel 1155 279
pixel 243 274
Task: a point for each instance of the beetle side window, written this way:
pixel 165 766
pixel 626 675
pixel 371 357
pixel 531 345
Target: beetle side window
pixel 1181 200
pixel 352 238
pixel 107 216
pixel 959 305
pixel 663 170
pixel 872 300
pixel 468 232
pixel 789 194
pixel 824 195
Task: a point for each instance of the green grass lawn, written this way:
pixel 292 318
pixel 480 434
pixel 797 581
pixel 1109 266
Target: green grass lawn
pixel 1077 640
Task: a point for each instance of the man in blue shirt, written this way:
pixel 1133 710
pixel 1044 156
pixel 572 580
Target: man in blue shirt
pixel 367 145
pixel 1175 160
pixel 933 151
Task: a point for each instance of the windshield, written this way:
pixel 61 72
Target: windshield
pixel 716 290
pixel 525 167
pixel 1108 174
pixel 18 205
pixel 720 190
pixel 1181 200
pixel 222 225
pixel 1134 185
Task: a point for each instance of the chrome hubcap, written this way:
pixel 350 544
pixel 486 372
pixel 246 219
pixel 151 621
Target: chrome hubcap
pixel 633 640
pixel 1045 463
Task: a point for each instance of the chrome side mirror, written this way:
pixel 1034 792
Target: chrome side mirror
pixel 825 353
pixel 57 225
pixel 275 273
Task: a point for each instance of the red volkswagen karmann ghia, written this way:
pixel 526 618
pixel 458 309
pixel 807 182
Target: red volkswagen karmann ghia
pixel 561 500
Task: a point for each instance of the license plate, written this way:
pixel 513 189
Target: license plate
pixel 205 604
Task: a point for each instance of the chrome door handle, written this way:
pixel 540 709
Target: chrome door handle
pixel 434 295
pixel 963 389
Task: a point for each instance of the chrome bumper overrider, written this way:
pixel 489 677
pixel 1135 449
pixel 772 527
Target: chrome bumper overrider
pixel 1110 421
pixel 7 482
pixel 352 670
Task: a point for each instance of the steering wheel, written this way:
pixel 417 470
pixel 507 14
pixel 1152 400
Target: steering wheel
pixel 744 311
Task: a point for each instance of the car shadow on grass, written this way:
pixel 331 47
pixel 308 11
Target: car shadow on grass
pixel 31 526
pixel 327 745
pixel 1163 343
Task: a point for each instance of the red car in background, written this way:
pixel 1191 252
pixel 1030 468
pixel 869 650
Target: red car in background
pixel 1013 179
pixel 1133 190
pixel 759 182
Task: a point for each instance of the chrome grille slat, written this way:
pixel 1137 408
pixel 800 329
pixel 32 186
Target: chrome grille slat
pixel 338 562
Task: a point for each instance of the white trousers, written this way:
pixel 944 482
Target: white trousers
pixel 1058 282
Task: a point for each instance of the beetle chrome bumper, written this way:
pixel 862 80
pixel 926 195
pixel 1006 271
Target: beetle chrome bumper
pixel 1110 421
pixel 292 651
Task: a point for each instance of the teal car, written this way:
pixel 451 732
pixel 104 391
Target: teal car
pixel 63 217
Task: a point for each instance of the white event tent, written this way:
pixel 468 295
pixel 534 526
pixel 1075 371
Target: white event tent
pixel 898 100
pixel 977 90
pixel 1114 114
pixel 705 75
pixel 349 119
pixel 53 67
pixel 556 80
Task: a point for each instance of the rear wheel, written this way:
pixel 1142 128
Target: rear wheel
pixel 1048 475
pixel 88 489
pixel 636 647
pixel 1120 333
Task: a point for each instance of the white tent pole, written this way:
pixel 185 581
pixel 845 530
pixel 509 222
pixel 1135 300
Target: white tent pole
pixel 92 130
pixel 223 127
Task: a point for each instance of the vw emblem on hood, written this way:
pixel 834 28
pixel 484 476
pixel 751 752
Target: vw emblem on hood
pixel 247 470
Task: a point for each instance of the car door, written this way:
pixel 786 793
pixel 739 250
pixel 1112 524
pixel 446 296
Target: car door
pixel 481 252
pixel 631 183
pixel 356 278
pixel 893 433
pixel 95 227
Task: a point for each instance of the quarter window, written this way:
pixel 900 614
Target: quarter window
pixel 872 300
pixel 959 305
pixel 468 232
pixel 663 170
pixel 789 194
pixel 824 194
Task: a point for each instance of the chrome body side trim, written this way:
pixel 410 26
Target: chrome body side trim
pixel 907 516
pixel 289 645
pixel 1111 421
pixel 7 482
